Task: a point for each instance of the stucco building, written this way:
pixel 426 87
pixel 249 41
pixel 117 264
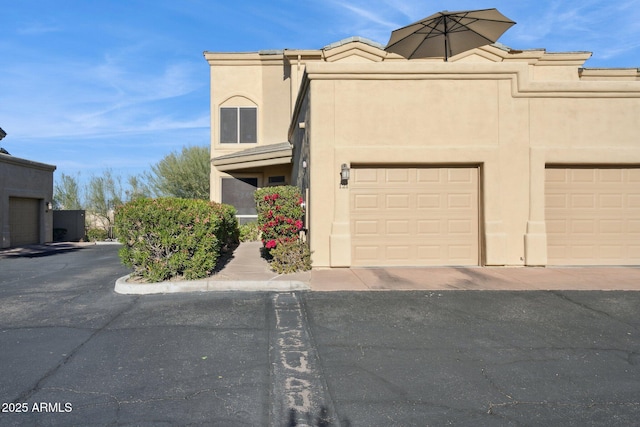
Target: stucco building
pixel 26 192
pixel 496 157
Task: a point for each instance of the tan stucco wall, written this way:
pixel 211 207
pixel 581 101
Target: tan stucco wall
pixel 489 114
pixel 26 179
pixel 509 113
pixel 270 81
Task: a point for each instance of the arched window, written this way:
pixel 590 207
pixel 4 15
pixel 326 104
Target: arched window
pixel 238 123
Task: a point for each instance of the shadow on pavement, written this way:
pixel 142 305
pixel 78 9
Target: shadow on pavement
pixel 323 419
pixel 39 251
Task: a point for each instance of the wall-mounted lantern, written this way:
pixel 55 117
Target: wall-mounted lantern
pixel 344 175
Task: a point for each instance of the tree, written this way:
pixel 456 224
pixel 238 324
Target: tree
pixel 138 188
pixel 104 193
pixel 67 193
pixel 184 174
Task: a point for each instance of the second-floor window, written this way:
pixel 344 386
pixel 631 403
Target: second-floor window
pixel 238 125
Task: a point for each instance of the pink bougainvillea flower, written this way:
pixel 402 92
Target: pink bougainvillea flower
pixel 271 244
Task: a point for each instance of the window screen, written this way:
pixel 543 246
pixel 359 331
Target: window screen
pixel 248 125
pixel 228 125
pixel 238 192
pixel 238 125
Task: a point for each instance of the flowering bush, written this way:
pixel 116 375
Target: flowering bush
pixel 280 212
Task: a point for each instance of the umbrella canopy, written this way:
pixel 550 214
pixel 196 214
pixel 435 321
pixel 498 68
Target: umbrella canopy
pixel 445 34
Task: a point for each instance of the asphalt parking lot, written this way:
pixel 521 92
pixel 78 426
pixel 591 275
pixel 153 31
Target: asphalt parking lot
pixel 76 353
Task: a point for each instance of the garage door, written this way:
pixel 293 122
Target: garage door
pixel 24 221
pixel 593 216
pixel 414 216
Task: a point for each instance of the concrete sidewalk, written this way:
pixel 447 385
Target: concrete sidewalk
pixel 477 278
pixel 247 270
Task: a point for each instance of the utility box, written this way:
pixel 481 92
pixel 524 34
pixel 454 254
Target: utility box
pixel 68 225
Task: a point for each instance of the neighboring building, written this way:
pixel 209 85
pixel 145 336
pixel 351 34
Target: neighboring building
pixel 26 192
pixel 497 157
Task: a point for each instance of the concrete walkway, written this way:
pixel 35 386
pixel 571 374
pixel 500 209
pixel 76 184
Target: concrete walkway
pixel 247 270
pixel 477 278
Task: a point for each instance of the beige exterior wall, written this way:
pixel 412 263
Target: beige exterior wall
pixel 23 180
pixel 508 113
pixel 267 80
pixel 508 118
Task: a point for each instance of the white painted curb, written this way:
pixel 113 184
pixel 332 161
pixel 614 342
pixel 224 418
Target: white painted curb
pixel 207 285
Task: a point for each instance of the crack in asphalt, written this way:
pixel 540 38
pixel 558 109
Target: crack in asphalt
pixel 492 406
pixel 38 385
pixel 563 296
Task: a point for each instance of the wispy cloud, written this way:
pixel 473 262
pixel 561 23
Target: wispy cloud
pixel 37 28
pixel 84 99
pixel 602 27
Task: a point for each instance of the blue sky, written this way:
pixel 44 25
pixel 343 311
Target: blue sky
pixel 88 85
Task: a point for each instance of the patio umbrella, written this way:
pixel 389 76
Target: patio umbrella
pixel 448 33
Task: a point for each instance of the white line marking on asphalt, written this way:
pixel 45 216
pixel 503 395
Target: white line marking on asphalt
pixel 297 380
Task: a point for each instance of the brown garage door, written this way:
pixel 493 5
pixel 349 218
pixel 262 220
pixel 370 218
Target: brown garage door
pixel 414 216
pixel 24 221
pixel 593 216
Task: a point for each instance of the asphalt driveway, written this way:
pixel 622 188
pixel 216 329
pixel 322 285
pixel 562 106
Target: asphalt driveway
pixel 73 352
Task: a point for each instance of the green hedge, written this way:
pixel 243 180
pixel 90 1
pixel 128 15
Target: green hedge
pixel 170 237
pixel 97 235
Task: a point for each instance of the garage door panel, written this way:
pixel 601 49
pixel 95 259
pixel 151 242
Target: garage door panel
pixel 397 201
pixel 633 200
pixel 610 175
pixel 460 252
pixel 364 227
pixel 397 175
pixel 611 226
pixel 600 224
pixel 24 221
pixel 367 201
pixel 460 201
pixel 582 201
pixel 428 175
pixel 429 216
pixel 461 175
pixel 582 175
pixel 429 201
pixel 398 227
pixel 615 201
pixel 397 253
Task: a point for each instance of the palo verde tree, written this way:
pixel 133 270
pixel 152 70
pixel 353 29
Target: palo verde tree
pixel 67 193
pixel 182 174
pixel 104 194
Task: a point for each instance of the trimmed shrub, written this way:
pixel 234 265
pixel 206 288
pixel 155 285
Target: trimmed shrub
pixel 280 212
pixel 96 234
pixel 289 257
pixel 250 232
pixel 169 237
